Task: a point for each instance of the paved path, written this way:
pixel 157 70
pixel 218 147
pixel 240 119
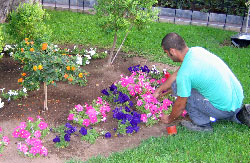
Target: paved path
pixel 176 20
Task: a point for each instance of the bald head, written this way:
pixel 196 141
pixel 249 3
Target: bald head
pixel 173 40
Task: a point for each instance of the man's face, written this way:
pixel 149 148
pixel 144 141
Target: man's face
pixel 172 56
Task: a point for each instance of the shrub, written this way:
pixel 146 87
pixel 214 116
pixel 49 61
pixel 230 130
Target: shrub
pixel 28 22
pixel 1 40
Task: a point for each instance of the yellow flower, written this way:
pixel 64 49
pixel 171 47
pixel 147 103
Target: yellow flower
pixel 68 68
pixel 80 75
pixel 26 39
pixel 34 68
pixel 32 49
pixel 64 54
pixel 73 68
pixel 40 67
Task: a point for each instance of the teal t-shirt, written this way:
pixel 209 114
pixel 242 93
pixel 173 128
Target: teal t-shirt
pixel 208 74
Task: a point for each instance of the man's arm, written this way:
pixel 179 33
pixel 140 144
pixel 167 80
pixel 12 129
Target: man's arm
pixel 177 110
pixel 166 85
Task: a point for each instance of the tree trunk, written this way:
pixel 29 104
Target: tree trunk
pixel 6 6
pixel 112 50
pixel 46 97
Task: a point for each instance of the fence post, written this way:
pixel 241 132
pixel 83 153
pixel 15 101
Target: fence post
pixel 83 6
pixel 69 4
pixel 55 4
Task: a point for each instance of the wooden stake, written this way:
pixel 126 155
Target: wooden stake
pixel 46 97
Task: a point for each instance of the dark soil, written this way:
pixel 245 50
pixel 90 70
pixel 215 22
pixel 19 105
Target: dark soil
pixel 63 98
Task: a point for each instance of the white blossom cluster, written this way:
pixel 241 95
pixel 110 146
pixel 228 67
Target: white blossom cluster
pixel 154 70
pixel 9 49
pixel 1 103
pixel 14 92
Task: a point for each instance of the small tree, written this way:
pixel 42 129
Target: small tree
pixel 116 15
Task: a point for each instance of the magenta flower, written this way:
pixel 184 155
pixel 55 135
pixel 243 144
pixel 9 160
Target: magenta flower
pixel 6 140
pixel 132 93
pixel 163 80
pixel 44 151
pixel 1 129
pixel 34 150
pixel 99 100
pixel 37 134
pixel 79 107
pixel 15 134
pixel 22 125
pixel 30 119
pixel 139 103
pixel 71 117
pixel 23 148
pixel 144 118
pixel 86 122
pixel 43 125
pixel 184 113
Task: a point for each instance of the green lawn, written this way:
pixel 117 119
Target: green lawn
pixel 228 143
pixel 77 28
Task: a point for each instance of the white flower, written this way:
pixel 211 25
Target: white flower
pixel 10 92
pixel 1 103
pixel 106 52
pixel 15 93
pixel 2 89
pixel 164 70
pixel 78 59
pixel 88 56
pixel 92 52
pixel 104 119
pixel 74 47
pixel 11 53
pixel 87 62
pixel 24 90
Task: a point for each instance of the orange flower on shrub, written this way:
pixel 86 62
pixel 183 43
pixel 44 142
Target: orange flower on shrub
pixel 80 75
pixel 32 42
pixel 27 43
pixel 68 68
pixel 73 68
pixel 20 80
pixel 22 50
pixel 26 39
pixel 32 49
pixel 40 67
pixel 66 76
pixel 85 73
pixel 24 74
pixel 52 82
pixel 70 79
pixel 44 46
pixel 34 68
pixel 64 54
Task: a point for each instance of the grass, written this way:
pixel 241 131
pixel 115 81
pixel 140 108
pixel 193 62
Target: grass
pixel 78 28
pixel 228 143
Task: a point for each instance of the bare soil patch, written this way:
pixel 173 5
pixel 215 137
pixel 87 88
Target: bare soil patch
pixel 63 98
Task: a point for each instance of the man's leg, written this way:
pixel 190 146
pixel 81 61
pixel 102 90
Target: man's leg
pixel 200 109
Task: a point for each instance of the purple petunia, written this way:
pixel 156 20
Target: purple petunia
pixel 129 130
pixel 108 135
pixel 83 131
pixel 67 137
pixel 56 139
pixel 131 104
pixel 113 87
pixel 105 92
pixel 122 98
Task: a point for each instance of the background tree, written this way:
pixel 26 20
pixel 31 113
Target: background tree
pixel 117 15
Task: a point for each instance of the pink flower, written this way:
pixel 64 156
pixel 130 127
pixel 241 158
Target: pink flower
pixel 163 80
pixel 44 151
pixel 22 125
pixel 79 107
pixel 132 93
pixel 37 133
pixel 144 118
pixel 85 122
pixel 43 125
pixel 30 119
pixel 15 134
pixel 24 133
pixel 158 82
pixel 71 117
pixel 6 140
pixel 24 148
pixel 139 103
pixel 34 150
pixel 124 83
pixel 99 100
pixel 184 113
pixel 167 102
pixel 40 118
pixel 152 80
pixel 1 129
pixel 93 118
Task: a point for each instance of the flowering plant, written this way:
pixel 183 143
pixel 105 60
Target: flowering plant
pixel 4 141
pixel 32 133
pixel 14 94
pixel 90 114
pixel 44 62
pixel 140 86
